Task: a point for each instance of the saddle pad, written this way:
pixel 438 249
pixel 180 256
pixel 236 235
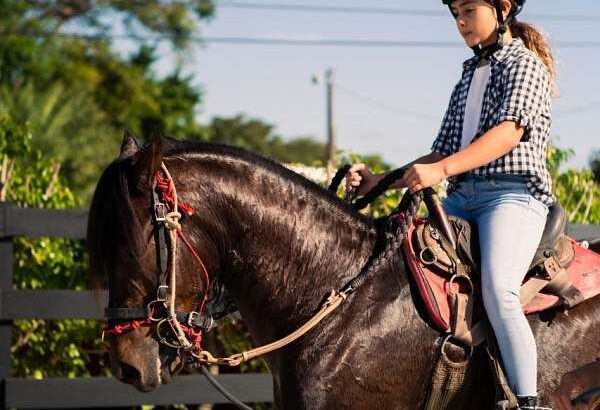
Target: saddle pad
pixel 585 275
pixel 434 289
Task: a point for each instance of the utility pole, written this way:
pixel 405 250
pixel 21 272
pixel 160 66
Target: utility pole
pixel 330 154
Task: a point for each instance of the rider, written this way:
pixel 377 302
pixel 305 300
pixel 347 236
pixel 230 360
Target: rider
pixel 492 148
pixel 576 382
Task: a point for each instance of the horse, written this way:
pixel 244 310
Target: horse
pixel 278 243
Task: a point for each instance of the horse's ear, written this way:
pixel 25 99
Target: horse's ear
pixel 129 146
pixel 148 162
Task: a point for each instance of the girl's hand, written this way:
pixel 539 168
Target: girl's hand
pixel 420 176
pixel 574 383
pixel 359 176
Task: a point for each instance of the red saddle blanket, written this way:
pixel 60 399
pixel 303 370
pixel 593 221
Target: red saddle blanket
pixel 434 289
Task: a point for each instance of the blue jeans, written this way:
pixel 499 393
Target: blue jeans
pixel 510 222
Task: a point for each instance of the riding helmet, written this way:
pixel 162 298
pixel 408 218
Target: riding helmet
pixel 502 23
pixel 518 3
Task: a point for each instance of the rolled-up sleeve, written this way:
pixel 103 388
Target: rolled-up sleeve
pixel 443 142
pixel 527 90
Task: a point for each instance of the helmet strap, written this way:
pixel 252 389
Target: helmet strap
pixel 485 52
pixel 501 23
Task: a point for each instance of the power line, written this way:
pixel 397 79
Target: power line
pixel 302 41
pixel 382 106
pixel 330 9
pixel 384 11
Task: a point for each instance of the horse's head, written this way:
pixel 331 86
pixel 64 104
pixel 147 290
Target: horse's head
pixel 125 256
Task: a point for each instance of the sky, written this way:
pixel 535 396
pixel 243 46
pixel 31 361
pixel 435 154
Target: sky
pixel 388 100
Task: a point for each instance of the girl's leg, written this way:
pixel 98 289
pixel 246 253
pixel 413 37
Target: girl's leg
pixel 510 228
pixel 456 203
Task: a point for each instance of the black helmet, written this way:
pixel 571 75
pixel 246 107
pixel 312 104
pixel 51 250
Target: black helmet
pixel 518 3
pixel 501 21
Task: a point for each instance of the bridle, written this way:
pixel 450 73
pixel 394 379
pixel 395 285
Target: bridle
pixel 179 330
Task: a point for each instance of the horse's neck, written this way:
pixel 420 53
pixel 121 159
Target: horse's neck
pixel 288 245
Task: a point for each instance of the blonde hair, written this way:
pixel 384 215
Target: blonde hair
pixel 534 40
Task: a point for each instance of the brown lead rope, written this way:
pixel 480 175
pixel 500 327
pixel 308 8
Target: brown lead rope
pixel 334 300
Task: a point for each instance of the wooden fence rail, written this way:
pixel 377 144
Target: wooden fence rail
pixel 63 393
pixel 68 304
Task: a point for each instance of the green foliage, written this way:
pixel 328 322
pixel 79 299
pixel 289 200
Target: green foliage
pixel 595 165
pixel 44 348
pixel 576 190
pixel 15 139
pixel 78 94
pixel 175 21
pixel 256 135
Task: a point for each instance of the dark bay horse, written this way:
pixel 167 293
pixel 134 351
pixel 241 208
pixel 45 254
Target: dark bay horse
pixel 279 243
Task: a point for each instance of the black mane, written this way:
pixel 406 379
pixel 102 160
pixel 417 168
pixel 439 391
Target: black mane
pixel 174 148
pixel 112 198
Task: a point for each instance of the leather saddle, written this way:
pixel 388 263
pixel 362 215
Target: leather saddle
pixel 443 255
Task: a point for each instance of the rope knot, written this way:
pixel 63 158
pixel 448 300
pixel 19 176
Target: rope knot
pixel 172 221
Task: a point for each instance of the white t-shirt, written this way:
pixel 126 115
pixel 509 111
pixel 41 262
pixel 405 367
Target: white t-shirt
pixel 477 88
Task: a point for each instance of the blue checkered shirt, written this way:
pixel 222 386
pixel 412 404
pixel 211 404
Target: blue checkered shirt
pixel 519 90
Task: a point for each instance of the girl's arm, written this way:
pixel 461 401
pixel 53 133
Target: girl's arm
pixel 430 158
pixel 495 143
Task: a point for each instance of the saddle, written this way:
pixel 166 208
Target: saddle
pixel 562 274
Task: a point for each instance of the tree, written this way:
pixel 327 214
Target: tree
pixel 78 94
pixel 256 135
pixel 576 190
pixel 595 165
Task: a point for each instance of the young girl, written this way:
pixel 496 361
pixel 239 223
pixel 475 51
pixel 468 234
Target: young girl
pixel 492 147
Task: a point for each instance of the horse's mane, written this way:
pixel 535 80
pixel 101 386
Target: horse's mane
pixel 175 148
pixel 112 213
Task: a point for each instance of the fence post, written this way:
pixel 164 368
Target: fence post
pixel 6 283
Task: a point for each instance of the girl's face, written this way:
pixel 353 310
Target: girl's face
pixel 476 21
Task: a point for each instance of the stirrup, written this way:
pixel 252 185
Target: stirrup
pixel 532 403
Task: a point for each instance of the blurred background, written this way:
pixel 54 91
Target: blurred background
pixel 278 77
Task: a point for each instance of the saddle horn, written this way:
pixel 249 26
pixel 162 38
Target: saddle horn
pixel 438 215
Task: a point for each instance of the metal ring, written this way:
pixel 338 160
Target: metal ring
pixel 162 339
pixel 442 349
pixel 423 260
pixel 149 310
pixel 461 276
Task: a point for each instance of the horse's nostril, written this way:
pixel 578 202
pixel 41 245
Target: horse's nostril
pixel 130 374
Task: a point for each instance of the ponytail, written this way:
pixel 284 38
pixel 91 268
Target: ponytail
pixel 535 41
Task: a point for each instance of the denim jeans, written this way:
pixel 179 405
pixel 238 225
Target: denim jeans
pixel 510 222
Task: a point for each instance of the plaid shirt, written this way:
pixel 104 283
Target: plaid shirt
pixel 519 90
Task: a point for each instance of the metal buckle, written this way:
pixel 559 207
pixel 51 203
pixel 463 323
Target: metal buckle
pixel 160 212
pixel 203 326
pixel 190 318
pixel 159 296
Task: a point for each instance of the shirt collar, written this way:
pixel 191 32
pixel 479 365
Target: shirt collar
pixel 500 55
